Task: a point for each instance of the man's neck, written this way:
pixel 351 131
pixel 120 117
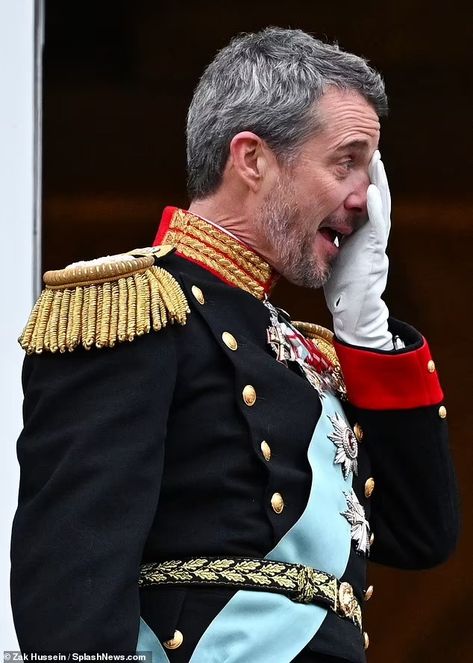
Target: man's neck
pixel 232 218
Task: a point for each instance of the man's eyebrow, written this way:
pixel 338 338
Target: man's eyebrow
pixel 358 144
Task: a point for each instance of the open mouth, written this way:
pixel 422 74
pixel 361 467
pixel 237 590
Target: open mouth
pixel 331 235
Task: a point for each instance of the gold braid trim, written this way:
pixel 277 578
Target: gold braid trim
pixel 300 583
pixel 213 248
pixel 192 248
pixel 248 260
pixel 100 304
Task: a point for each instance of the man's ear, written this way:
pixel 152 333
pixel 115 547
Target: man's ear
pixel 250 158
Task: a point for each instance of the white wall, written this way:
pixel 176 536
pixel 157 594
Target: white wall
pixel 17 203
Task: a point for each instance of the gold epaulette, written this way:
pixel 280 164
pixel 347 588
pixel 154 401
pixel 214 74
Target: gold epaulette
pixel 322 339
pixel 105 301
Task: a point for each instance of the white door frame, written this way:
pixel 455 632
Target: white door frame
pixel 21 38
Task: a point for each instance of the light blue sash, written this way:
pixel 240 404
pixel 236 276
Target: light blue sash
pixel 261 626
pixel 147 641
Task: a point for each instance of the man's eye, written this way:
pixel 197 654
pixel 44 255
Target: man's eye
pixel 345 166
pixel 348 163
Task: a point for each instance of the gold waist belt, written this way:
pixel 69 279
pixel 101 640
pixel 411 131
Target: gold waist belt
pixel 300 583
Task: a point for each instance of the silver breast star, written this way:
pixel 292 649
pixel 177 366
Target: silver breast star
pixel 360 528
pixel 346 444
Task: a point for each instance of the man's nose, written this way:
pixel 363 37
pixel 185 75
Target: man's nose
pixel 356 199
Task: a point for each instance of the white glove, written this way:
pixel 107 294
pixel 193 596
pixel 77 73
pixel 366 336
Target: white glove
pixel 353 292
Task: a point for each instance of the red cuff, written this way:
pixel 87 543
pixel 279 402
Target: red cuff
pixel 380 381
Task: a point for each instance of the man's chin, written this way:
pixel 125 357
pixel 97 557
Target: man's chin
pixel 308 276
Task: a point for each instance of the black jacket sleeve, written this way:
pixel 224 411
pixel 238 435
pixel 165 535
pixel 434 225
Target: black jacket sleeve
pixel 414 511
pixel 414 507
pixel 91 459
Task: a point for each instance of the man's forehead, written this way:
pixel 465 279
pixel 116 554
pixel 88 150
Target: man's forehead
pixel 354 145
pixel 349 116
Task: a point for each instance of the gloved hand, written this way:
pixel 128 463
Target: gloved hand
pixel 353 292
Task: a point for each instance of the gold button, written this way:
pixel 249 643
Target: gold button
pixel 198 294
pixel 431 366
pixel 369 593
pixel 357 429
pixel 266 450
pixel 175 642
pixel 442 412
pixel 249 395
pixel 277 502
pixel 229 340
pixel 366 640
pixel 371 538
pixel 369 487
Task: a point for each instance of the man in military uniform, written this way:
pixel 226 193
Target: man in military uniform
pixel 197 470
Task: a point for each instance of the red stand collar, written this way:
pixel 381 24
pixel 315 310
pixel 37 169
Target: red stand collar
pixel 215 250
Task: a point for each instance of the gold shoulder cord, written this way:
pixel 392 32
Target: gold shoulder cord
pixel 105 301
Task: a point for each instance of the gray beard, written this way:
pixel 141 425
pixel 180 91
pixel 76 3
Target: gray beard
pixel 277 223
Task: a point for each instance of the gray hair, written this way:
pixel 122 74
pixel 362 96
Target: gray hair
pixel 266 82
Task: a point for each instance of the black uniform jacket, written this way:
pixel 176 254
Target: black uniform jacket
pixel 147 451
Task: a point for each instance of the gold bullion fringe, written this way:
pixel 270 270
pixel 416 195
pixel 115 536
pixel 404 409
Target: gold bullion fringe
pixel 103 314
